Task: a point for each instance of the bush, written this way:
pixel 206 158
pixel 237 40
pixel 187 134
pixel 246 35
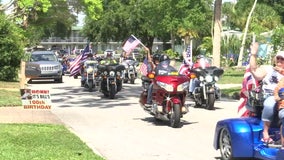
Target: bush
pixel 11 49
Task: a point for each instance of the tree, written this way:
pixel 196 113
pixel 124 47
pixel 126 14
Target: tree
pixel 245 34
pixel 147 19
pixel 217 33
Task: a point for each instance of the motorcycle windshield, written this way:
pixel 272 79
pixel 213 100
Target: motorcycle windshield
pixel 208 70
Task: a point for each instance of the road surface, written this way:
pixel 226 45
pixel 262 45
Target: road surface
pixel 119 129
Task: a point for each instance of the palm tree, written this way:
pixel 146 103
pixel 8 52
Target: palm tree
pixel 245 35
pixel 217 33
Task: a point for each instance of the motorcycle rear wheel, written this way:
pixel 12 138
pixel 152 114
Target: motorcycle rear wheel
pixel 175 116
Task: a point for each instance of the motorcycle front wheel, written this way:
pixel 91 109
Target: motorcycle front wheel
pixel 90 83
pixel 112 91
pixel 175 116
pixel 210 101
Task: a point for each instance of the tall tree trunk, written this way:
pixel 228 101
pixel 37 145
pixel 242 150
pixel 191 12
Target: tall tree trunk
pixel 172 41
pixel 217 33
pixel 240 59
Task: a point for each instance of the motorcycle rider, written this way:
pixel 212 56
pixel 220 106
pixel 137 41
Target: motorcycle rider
pixel 109 59
pixel 153 62
pixel 83 78
pixel 202 62
pixel 164 67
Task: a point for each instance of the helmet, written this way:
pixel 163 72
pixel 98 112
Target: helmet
pixel 164 58
pixel 200 56
pixel 156 57
pixel 281 93
pixel 90 55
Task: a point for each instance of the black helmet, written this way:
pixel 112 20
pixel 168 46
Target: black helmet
pixel 156 57
pixel 90 55
pixel 164 58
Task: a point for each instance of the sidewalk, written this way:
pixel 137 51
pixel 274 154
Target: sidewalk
pixel 21 115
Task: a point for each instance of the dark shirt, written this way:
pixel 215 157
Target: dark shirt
pixel 164 68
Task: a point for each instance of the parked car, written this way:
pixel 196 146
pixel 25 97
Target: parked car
pixel 48 65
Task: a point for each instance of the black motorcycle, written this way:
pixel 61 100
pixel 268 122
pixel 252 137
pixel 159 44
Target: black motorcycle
pixel 90 72
pixel 206 91
pixel 130 73
pixel 110 79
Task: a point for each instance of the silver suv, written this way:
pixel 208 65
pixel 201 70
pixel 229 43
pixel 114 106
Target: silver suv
pixel 47 63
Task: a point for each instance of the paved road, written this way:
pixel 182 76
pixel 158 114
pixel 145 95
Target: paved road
pixel 119 129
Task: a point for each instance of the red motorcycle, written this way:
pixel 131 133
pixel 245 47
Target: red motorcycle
pixel 168 96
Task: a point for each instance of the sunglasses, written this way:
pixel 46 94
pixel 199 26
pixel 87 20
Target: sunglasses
pixel 280 58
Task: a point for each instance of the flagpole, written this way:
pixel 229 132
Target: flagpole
pixel 138 40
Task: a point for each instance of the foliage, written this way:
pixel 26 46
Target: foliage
pixel 172 54
pixel 123 18
pixel 278 38
pixel 11 49
pixel 42 141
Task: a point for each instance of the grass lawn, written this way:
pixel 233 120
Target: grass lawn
pixel 10 94
pixel 10 98
pixel 232 76
pixel 42 141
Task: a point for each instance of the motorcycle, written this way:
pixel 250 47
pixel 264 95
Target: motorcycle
pixel 130 73
pixel 90 74
pixel 168 96
pixel 110 81
pixel 206 91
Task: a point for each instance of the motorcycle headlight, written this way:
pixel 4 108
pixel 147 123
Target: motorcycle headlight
pixel 112 73
pixel 209 78
pixel 105 72
pixel 166 86
pixel 182 86
pixel 118 73
pixel 130 67
pixel 201 78
pixel 90 70
pixel 216 78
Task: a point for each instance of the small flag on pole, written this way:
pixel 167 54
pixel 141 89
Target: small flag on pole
pixel 143 67
pixel 130 44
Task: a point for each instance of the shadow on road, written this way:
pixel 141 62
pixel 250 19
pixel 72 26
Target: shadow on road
pixel 163 123
pixel 80 96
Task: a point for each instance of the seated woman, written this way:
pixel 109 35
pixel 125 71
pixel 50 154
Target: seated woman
pixel 269 76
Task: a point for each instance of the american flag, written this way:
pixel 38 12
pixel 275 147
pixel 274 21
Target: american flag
pixel 130 44
pixel 75 66
pixel 143 67
pixel 247 85
pixel 188 51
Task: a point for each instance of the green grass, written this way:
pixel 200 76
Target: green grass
pixel 10 85
pixel 10 94
pixel 42 141
pixel 10 98
pixel 232 76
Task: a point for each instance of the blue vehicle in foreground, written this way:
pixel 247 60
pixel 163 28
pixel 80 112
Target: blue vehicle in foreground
pixel 239 138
